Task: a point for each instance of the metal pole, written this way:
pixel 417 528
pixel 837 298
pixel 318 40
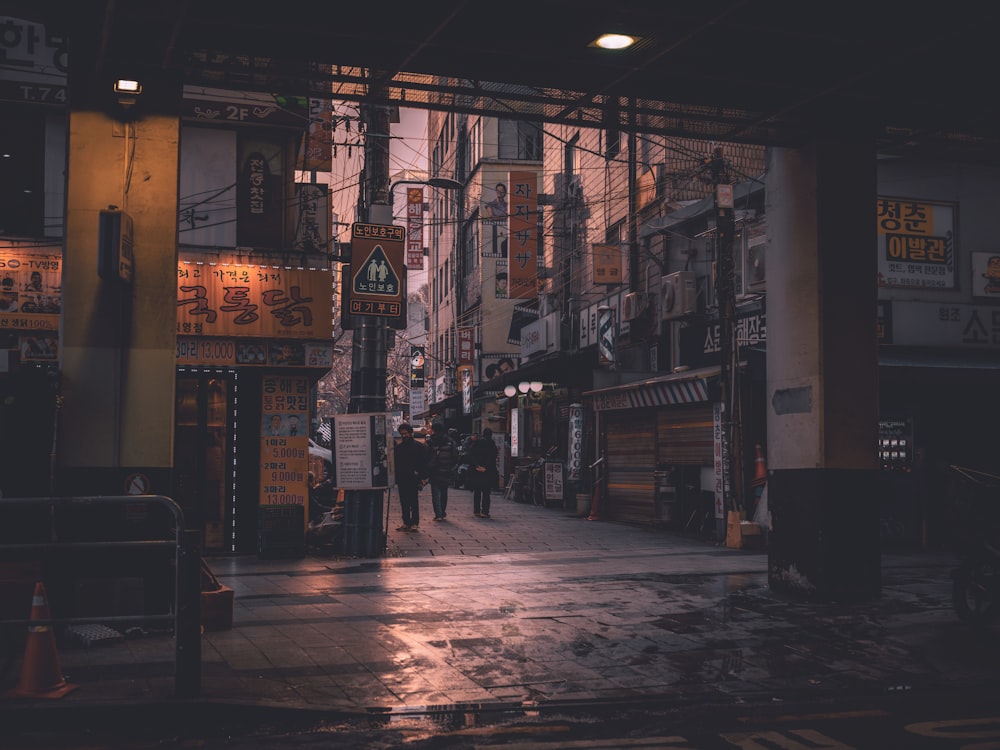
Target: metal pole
pixel 726 295
pixel 369 351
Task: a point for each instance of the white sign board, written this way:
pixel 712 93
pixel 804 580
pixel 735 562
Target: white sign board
pixel 360 454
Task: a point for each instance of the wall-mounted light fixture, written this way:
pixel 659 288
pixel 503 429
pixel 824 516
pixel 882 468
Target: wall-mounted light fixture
pixel 510 391
pixel 127 91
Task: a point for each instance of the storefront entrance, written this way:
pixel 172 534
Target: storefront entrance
pixel 205 480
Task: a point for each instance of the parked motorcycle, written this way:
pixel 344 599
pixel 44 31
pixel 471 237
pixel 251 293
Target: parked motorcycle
pixel 975 592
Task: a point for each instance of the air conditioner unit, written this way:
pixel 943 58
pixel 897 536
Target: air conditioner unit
pixel 678 294
pixel 634 305
pixel 754 276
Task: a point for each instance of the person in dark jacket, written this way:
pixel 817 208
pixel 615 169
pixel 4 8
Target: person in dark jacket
pixel 483 474
pixel 442 459
pixel 410 458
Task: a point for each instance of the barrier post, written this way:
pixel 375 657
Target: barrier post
pixel 187 622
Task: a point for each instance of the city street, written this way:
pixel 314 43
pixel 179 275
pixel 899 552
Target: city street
pixel 535 616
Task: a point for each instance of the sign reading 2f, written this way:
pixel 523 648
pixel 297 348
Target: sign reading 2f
pixel 378 286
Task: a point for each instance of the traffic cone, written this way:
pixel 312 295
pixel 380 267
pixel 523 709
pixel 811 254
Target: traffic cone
pixel 760 475
pixel 41 675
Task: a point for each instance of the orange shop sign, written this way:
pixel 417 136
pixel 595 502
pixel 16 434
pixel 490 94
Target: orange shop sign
pixel 242 300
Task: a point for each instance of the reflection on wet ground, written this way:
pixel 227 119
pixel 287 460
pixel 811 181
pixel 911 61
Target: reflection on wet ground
pixel 582 611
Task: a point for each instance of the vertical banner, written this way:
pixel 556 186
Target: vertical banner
pixel 466 345
pixel 575 447
pixel 515 432
pixel 414 228
pixel 284 451
pixel 418 404
pixel 720 453
pixel 522 247
pixel 606 336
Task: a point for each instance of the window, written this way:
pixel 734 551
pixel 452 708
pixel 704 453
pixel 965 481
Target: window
pixel 519 140
pixel 23 173
pixel 571 156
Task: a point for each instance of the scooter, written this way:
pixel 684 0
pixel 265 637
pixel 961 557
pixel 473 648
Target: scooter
pixel 975 590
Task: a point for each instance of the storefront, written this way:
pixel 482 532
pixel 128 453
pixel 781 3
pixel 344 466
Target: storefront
pixel 646 429
pixel 252 342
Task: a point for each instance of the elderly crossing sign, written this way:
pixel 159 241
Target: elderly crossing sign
pixel 378 284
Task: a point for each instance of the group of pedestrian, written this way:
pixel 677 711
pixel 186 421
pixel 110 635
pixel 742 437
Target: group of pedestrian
pixel 435 463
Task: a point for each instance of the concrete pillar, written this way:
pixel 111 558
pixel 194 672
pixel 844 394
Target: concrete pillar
pixel 822 371
pixel 118 353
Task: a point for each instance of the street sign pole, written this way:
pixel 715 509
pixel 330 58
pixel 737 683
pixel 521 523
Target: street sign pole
pixel 364 534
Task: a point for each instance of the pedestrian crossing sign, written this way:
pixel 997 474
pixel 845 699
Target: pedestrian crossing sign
pixel 378 281
pixel 376 275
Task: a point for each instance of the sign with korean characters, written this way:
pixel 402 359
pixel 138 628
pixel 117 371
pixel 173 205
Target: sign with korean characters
pixel 916 243
pixel 378 271
pixel 522 245
pixel 607 264
pixel 284 449
pixel 237 300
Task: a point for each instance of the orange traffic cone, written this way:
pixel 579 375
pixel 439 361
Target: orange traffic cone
pixel 41 675
pixel 760 473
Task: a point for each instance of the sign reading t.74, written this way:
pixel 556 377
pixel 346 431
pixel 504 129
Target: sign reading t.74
pixel 378 268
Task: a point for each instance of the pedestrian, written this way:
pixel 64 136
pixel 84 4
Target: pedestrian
pixel 410 458
pixel 442 460
pixel 483 459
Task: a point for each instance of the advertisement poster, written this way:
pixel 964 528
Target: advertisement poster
pixel 284 451
pixel 360 451
pixel 916 243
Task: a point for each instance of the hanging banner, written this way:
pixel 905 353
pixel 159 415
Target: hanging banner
pixel 257 301
pixel 466 345
pixel 284 451
pixel 522 247
pixel 414 228
pixel 575 448
pixel 416 367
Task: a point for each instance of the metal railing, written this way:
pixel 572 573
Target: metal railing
pixel 186 615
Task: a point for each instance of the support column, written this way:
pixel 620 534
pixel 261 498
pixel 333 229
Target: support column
pixel 118 352
pixel 822 371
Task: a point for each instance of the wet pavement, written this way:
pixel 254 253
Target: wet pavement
pixel 538 607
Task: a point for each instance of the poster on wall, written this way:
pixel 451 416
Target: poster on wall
pixel 284 451
pixel 986 275
pixel 30 304
pixel 360 451
pixel 916 243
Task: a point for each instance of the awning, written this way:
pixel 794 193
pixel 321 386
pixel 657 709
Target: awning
pixel 699 208
pixel 689 387
pixel 956 359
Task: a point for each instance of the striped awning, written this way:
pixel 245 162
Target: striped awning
pixel 689 387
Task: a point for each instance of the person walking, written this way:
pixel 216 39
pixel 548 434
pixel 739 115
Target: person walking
pixel 483 476
pixel 442 460
pixel 410 458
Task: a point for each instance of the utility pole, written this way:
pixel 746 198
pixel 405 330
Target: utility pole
pixel 363 509
pixel 725 292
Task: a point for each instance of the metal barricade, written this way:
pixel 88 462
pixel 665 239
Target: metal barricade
pixel 186 615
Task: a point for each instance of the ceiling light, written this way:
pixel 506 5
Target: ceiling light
pixel 614 41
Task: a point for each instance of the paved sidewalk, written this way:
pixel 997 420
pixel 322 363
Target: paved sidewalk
pixel 539 606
